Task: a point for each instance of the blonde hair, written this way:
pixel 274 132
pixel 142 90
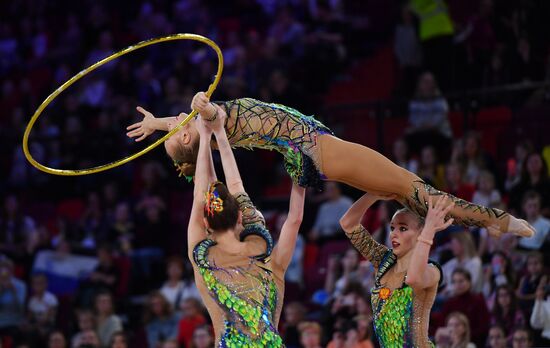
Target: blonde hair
pixel 419 220
pixel 185 157
pixel 466 323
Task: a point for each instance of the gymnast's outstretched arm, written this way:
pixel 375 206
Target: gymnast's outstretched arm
pixel 142 129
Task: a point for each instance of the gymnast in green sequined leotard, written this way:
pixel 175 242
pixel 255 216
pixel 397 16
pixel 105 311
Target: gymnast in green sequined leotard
pixel 313 154
pixel 238 270
pixel 406 281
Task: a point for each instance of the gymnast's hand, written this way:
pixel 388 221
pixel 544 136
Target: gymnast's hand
pixel 201 103
pixel 435 219
pixel 144 128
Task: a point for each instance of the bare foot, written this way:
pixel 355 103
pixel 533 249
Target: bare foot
pixel 520 227
pixel 516 226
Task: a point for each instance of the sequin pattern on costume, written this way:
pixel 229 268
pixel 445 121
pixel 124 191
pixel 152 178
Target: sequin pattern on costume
pixel 246 292
pixel 247 295
pixel 392 317
pixel 281 128
pixel 400 319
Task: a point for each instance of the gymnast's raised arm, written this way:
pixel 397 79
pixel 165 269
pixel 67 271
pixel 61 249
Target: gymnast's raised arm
pixel 205 174
pixel 357 234
pixel 282 253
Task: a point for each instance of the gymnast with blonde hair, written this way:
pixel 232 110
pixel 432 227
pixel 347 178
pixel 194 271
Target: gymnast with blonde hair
pixel 313 154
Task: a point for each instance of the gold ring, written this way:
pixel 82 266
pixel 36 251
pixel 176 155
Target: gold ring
pixel 101 168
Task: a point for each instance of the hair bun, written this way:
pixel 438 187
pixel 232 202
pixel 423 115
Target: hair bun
pixel 185 169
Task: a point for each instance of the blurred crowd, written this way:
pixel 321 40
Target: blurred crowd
pixel 100 261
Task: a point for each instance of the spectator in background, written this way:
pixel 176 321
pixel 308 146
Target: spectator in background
pixel 351 337
pixel 497 337
pixel 527 68
pixel 486 193
pixel 534 177
pixel 12 301
pixel 499 273
pixel 506 312
pixel 107 321
pixel 455 185
pixel 123 228
pixel 481 40
pixel 56 339
pixel 436 32
pixel 326 224
pixel 466 258
pixel 92 222
pixel 515 165
pixel 402 157
pixel 532 211
pixel 496 72
pixel 471 305
pixel 192 316
pixel 540 317
pixel 456 334
pixel 177 289
pixel 364 324
pixel 473 159
pixel 527 288
pixel 429 169
pixel 147 244
pixel 161 323
pixel 310 334
pixel 349 266
pixel 89 339
pixel 41 307
pixel 202 337
pixel 119 340
pixel 106 276
pixel 294 314
pixel 86 323
pixel 428 120
pixel 15 229
pixel 522 338
pixel 407 51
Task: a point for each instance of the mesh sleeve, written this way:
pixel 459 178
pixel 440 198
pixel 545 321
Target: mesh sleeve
pixel 366 245
pixel 251 215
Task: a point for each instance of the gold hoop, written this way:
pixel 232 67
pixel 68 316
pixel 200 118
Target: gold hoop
pixel 48 100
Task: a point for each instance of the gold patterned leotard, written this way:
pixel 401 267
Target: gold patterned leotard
pixel 401 314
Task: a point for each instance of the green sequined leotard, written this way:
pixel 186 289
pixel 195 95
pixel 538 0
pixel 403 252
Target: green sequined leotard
pixel 401 315
pixel 241 291
pixel 254 124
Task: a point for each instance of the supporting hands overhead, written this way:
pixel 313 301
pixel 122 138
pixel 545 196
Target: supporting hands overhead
pixel 204 129
pixel 201 103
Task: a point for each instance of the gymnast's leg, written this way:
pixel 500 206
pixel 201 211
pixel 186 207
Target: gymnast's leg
pixel 368 170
